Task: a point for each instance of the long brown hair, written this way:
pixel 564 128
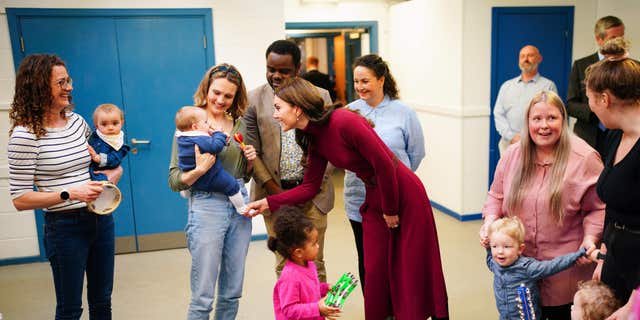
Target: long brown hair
pixel 32 98
pixel 231 73
pixel 304 95
pixel 526 168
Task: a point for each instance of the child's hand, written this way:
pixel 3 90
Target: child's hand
pixel 95 157
pixel 328 312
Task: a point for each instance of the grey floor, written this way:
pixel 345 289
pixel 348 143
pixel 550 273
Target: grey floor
pixel 155 285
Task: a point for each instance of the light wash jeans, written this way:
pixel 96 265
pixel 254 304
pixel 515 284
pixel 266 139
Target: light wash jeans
pixel 218 239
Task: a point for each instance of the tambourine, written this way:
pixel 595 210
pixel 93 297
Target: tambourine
pixel 108 201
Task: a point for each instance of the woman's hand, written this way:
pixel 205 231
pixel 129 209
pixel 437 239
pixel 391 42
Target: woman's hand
pixel 255 208
pixel 484 231
pixel 87 192
pixel 204 161
pixel 392 221
pixel 250 152
pixel 328 312
pixel 113 175
pixel 590 246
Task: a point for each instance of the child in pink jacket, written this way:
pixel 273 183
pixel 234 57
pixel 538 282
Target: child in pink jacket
pixel 298 293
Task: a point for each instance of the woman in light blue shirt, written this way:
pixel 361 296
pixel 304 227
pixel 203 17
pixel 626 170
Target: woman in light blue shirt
pixel 396 124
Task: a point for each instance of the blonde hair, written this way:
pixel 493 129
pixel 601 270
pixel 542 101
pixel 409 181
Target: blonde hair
pixel 526 168
pixel 598 301
pixel 231 73
pixel 106 108
pixel 186 117
pixel 511 226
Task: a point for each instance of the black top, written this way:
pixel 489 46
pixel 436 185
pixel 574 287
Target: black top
pixel 321 80
pixel 619 185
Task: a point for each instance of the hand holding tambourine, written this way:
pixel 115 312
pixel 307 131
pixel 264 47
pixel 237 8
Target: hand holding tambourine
pixel 108 201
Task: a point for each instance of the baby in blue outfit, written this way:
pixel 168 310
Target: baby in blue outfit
pixel 511 270
pixel 107 146
pixel 193 129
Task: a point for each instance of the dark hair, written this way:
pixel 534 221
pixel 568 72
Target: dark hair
pixel 292 230
pixel 604 23
pixel 616 73
pixel 303 94
pixel 231 73
pixel 380 69
pixel 32 97
pixel 285 47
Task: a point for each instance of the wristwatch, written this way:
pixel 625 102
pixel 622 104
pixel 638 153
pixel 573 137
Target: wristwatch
pixel 64 195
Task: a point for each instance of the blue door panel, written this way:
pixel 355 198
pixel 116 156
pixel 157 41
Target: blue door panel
pixel 95 73
pixel 148 62
pixel 154 87
pixel 550 29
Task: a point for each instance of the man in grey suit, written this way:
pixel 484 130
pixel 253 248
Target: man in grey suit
pixel 278 166
pixel 588 126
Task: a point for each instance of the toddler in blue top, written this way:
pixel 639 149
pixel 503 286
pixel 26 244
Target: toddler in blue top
pixel 193 129
pixel 106 144
pixel 511 270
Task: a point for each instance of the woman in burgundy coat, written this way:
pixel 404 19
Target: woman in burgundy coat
pixel 404 273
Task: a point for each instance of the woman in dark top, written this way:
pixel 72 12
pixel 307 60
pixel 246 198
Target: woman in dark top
pixel 613 89
pixel 404 273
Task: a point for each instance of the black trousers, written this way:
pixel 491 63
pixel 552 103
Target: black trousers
pixel 562 312
pixel 621 268
pixel 357 234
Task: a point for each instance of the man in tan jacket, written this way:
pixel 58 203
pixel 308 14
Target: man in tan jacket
pixel 278 166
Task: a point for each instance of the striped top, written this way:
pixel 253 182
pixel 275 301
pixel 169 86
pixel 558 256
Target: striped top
pixel 54 162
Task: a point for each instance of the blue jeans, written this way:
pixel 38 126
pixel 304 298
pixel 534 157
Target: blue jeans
pixel 218 240
pixel 76 243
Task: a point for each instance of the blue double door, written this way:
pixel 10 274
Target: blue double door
pixel 149 63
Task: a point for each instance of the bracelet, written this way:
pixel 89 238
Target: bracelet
pixel 600 256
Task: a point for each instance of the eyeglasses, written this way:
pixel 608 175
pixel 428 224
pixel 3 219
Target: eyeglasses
pixel 63 83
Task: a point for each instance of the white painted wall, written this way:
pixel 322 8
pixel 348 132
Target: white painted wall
pixel 440 54
pixel 242 30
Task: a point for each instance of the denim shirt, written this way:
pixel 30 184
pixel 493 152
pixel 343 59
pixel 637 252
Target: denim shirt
pixel 527 271
pixel 398 126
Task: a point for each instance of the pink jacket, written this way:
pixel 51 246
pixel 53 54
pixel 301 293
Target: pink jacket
pixel 544 239
pixel 297 292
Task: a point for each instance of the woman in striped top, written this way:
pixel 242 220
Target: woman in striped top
pixel 48 149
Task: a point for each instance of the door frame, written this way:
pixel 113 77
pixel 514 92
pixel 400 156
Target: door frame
pixel 496 12
pixel 15 14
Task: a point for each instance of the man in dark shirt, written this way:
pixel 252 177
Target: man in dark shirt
pixel 318 78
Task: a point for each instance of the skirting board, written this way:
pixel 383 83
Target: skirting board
pixel 461 217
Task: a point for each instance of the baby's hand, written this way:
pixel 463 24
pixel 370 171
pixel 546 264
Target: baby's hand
pixel 328 312
pixel 95 157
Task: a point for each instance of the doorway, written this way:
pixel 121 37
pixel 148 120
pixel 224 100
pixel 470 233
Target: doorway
pixel 147 62
pixel 336 45
pixel 550 29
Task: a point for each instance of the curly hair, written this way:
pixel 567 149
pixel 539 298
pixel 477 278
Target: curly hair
pixel 598 301
pixel 292 230
pixel 32 97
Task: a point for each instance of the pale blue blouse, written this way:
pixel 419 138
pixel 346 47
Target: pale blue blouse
pixel 398 126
